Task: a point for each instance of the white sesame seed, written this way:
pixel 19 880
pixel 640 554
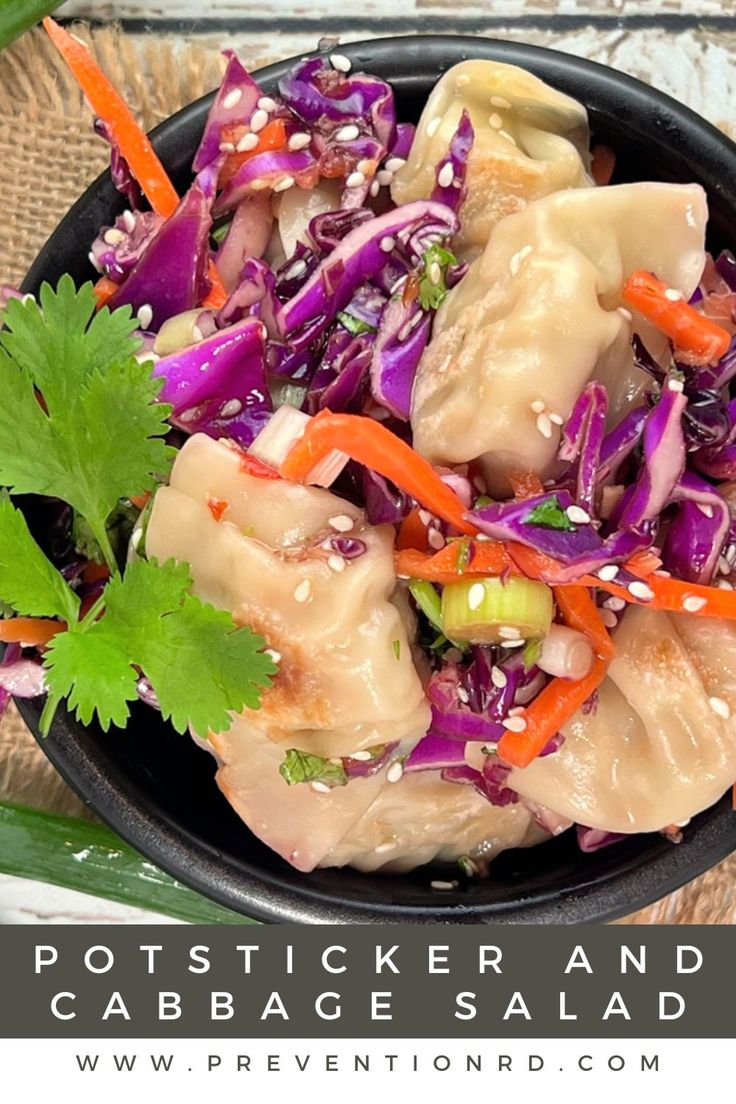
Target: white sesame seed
pixel 508 632
pixel 435 539
pixel 284 184
pixel 231 408
pixel 145 316
pixel 608 573
pixel 731 553
pixel 320 787
pixel 517 711
pixel 387 244
pixel 512 643
pixel 93 261
pixel 537 406
pixel 445 175
pixel 233 98
pixel 267 104
pixel 723 584
pixel 366 166
pixel 514 724
pixel 662 574
pixel 724 568
pixel 113 236
pixel 625 313
pixel 505 134
pixel 128 221
pixel 476 595
pixel 297 269
pixel 641 590
pixel 720 707
pixel 516 260
pixel 299 141
pixel 614 603
pixel 341 63
pixel 375 188
pixel 433 126
pixel 500 101
pixel 355 180
pixel 544 425
pixel 675 385
pixel 341 523
pixel 609 619
pixel 673 295
pixel 227 147
pixel 346 133
pixel 272 654
pixel 249 141
pixel 693 604
pixel 384 177
pixel 425 517
pixel 361 756
pixel 303 591
pixel 705 509
pixel 463 694
pixel 435 273
pixel 443 885
pixel 394 772
pixel 389 845
pixel 495 121
pixel 394 164
pixel 258 120
pixel 498 678
pixel 556 419
pixel 336 563
pixel 578 515
pixel 199 336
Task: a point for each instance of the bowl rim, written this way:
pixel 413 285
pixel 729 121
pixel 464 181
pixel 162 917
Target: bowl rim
pixel 262 896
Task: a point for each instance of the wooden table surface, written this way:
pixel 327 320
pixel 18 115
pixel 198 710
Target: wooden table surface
pixel 687 48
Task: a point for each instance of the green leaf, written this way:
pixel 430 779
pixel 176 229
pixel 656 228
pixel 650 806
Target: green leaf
pixel 531 653
pixel 300 766
pixel 119 526
pixel 200 665
pixel 432 290
pixel 396 645
pixel 99 438
pixel 354 326
pixel 29 583
pixel 550 515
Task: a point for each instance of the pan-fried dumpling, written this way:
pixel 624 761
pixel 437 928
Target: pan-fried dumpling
pixel 654 752
pixel 371 823
pixel 530 140
pixel 536 317
pixel 347 679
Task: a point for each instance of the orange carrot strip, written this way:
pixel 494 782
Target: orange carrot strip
pixel 104 290
pixel 602 164
pixel 29 630
pixel 93 572
pixel 412 533
pixel 140 501
pixel 580 612
pixel 133 143
pixel 550 711
pixel 370 443
pixel 525 484
pixel 488 558
pixel 272 137
pixel 688 329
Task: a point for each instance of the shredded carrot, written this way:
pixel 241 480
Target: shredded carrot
pixel 141 501
pixel 580 612
pixel 549 712
pixel 370 443
pixel 104 290
pixel 272 137
pixel 217 507
pixel 93 572
pixel 133 143
pixel 688 329
pixel 525 484
pixel 486 558
pixel 602 164
pixel 412 533
pixel 29 630
pixel 251 465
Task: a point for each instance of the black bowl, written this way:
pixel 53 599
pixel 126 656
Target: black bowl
pixel 156 789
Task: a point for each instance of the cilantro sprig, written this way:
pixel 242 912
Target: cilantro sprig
pixel 550 515
pixel 433 291
pixel 302 766
pixel 81 422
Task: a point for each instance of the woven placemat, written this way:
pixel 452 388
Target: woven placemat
pixel 48 155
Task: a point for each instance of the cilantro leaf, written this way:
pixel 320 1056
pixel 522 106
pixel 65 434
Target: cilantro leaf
pixel 354 326
pixel 433 291
pixel 98 436
pixel 29 583
pixel 200 665
pixel 301 766
pixel 550 515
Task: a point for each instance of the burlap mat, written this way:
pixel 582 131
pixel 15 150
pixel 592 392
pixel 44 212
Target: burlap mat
pixel 48 155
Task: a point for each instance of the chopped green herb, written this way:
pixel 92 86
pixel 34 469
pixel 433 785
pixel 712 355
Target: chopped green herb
pixel 301 766
pixel 433 291
pixel 531 653
pixel 550 515
pixel 428 601
pixel 482 500
pixel 354 326
pixel 396 645
pixel 463 556
pixel 218 236
pixel 468 867
pixel 119 527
